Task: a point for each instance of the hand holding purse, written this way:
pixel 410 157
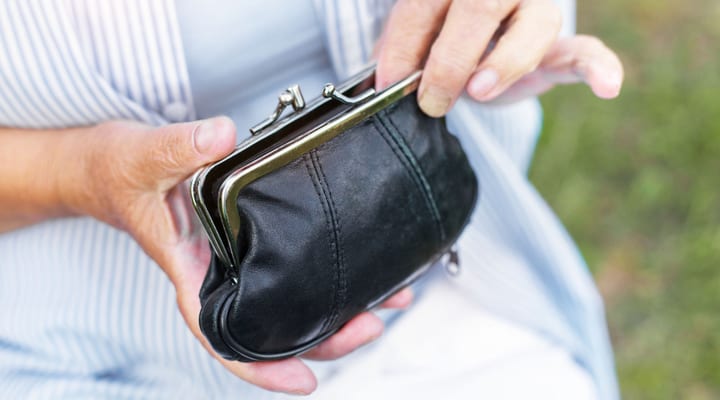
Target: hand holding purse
pixel 324 214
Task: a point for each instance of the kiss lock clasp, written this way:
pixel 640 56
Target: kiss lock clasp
pixel 294 97
pixel 329 92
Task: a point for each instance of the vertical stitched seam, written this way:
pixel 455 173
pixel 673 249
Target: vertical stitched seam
pixel 402 143
pixel 341 272
pixel 416 173
pixel 328 224
pixel 392 145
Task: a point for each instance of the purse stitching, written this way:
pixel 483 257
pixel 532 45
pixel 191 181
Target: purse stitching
pixel 382 129
pixel 421 174
pixel 340 254
pixel 328 222
pixel 409 161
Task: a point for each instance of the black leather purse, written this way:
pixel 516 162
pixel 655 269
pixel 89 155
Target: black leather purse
pixel 324 214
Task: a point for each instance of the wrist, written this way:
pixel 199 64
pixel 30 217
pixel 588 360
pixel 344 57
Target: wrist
pixel 72 170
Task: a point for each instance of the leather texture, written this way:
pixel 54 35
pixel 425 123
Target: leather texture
pixel 337 231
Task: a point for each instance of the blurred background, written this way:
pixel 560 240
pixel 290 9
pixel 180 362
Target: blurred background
pixel 637 183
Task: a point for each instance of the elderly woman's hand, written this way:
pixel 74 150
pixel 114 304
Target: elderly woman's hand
pixel 133 178
pixel 495 50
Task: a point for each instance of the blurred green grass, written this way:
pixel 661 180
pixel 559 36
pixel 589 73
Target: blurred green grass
pixel 637 182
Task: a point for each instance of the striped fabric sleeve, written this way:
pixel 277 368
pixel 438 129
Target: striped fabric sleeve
pixel 78 62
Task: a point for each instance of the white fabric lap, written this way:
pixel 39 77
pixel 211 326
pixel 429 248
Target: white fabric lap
pixel 447 348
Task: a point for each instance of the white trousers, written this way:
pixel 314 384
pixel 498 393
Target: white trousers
pixel 447 347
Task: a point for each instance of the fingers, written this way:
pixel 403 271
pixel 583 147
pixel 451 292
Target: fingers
pixel 530 85
pixel 468 28
pixel 588 59
pixel 293 376
pixel 176 151
pixel 531 31
pixel 289 376
pixel 401 299
pixel 361 330
pixel 570 60
pixel 411 29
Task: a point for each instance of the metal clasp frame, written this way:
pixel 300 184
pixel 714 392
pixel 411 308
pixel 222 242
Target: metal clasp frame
pixel 293 96
pixel 216 205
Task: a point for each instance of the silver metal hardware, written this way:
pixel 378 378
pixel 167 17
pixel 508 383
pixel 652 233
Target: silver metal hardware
pixel 452 262
pixel 329 92
pixel 201 208
pixel 291 97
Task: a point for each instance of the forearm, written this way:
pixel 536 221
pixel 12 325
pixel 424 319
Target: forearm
pixel 37 169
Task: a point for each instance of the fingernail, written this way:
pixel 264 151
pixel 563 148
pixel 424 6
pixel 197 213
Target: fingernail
pixel 434 102
pixel 483 83
pixel 204 137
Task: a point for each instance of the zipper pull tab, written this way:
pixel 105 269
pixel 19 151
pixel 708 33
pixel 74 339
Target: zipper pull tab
pixel 452 262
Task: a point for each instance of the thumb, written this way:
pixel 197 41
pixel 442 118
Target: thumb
pixel 178 150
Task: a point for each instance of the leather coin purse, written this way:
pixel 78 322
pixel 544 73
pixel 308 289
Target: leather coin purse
pixel 324 213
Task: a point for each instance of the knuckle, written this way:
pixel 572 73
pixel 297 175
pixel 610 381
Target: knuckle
pixel 495 8
pixel 182 151
pixel 453 59
pixel 168 155
pixel 447 70
pixel 163 155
